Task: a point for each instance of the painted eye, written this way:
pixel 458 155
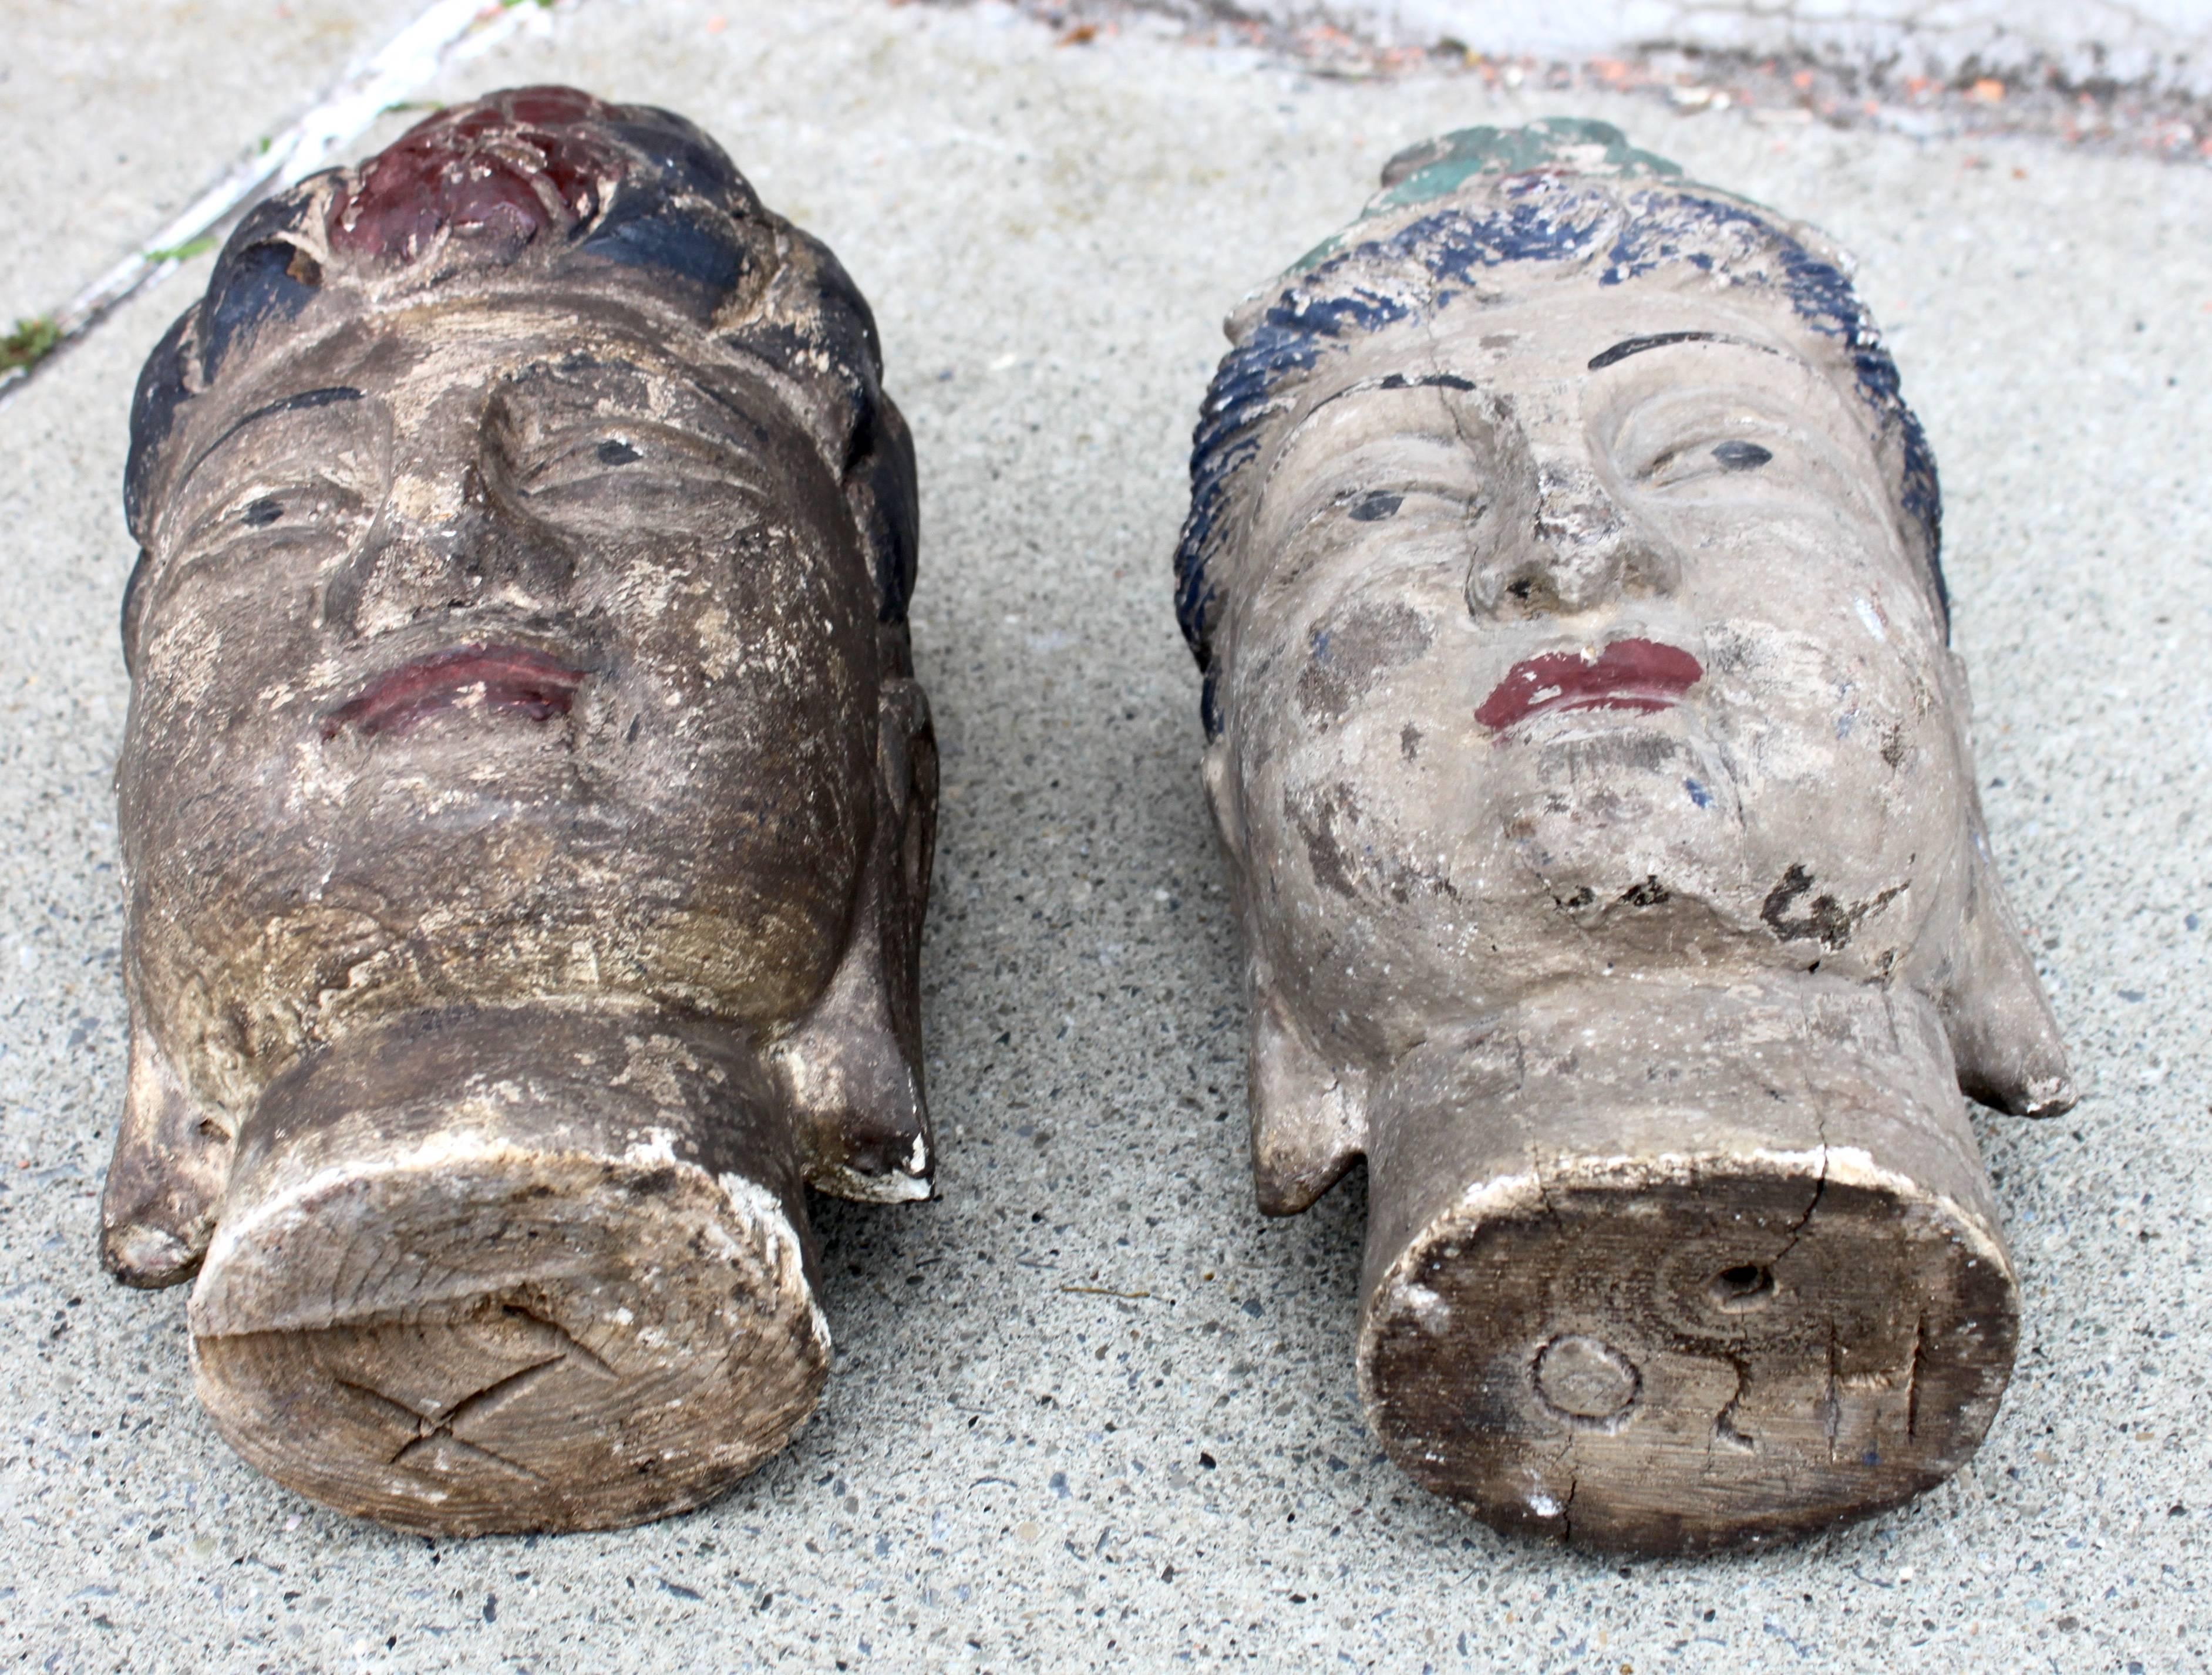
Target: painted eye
pixel 1736 455
pixel 1373 508
pixel 261 513
pixel 616 452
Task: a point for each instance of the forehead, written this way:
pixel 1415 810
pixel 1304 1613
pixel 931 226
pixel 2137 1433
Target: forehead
pixel 1550 348
pixel 418 372
pixel 482 341
pixel 1547 322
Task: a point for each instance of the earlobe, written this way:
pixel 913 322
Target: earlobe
pixel 134 611
pixel 166 1182
pixel 1221 797
pixel 854 1068
pixel 1308 1116
pixel 2003 1036
pixel 855 1085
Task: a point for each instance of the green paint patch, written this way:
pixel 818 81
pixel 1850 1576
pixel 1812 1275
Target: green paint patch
pixel 1571 143
pixel 1320 254
pixel 184 252
pixel 30 342
pixel 1436 168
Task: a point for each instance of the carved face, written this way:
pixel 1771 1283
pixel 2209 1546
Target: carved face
pixel 488 648
pixel 1577 634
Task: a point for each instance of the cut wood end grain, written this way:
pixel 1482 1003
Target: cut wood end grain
pixel 501 1339
pixel 1740 1354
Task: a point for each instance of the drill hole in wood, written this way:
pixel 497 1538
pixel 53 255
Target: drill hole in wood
pixel 1741 1289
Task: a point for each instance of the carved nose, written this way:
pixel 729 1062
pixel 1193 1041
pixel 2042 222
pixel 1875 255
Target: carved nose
pixel 485 551
pixel 1575 548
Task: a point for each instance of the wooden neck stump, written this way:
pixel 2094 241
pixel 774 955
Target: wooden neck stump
pixel 1675 1267
pixel 512 1269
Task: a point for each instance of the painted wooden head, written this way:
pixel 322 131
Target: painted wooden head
pixel 1592 769
pixel 527 808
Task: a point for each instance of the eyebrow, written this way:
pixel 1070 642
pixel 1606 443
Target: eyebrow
pixel 1427 381
pixel 305 400
pixel 1393 381
pixel 1628 346
pixel 1388 381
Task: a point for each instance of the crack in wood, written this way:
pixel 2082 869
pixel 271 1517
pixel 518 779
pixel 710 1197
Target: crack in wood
pixel 1913 1379
pixel 1831 1404
pixel 570 1344
pixel 431 1432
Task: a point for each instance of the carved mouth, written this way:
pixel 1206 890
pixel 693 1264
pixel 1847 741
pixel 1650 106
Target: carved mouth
pixel 1629 674
pixel 511 678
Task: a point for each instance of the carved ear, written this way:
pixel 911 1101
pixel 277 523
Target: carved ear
pixel 2003 1036
pixel 1220 796
pixel 165 1182
pixel 1309 1118
pixel 853 1067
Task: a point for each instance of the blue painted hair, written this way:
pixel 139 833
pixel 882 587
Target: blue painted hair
pixel 554 180
pixel 1560 190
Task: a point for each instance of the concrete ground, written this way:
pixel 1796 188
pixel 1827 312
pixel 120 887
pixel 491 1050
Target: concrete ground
pixel 2156 43
pixel 1089 1410
pixel 117 115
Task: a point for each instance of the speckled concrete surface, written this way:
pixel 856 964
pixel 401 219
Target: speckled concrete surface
pixel 1090 1412
pixel 118 115
pixel 2159 42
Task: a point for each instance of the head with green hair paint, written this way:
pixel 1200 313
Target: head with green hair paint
pixel 1586 747
pixel 1481 216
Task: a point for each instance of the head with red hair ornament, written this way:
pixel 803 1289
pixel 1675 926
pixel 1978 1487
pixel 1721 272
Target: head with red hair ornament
pixel 530 189
pixel 487 178
pixel 524 747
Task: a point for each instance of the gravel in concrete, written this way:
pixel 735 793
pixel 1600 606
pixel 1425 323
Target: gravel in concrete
pixel 1091 1412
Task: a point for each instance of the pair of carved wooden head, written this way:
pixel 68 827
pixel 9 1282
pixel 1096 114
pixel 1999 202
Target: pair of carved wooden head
pixel 527 806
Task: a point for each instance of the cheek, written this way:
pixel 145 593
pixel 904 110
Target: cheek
pixel 1816 626
pixel 1360 764
pixel 219 651
pixel 1843 694
pixel 693 605
pixel 1795 561
pixel 754 644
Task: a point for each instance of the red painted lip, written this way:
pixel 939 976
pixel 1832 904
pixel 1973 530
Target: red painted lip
pixel 507 677
pixel 1629 674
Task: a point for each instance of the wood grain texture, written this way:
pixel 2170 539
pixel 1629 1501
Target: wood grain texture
pixel 1720 1360
pixel 502 1271
pixel 1725 1270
